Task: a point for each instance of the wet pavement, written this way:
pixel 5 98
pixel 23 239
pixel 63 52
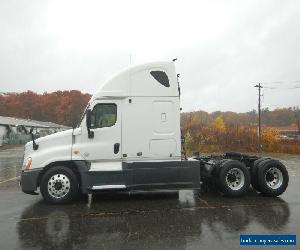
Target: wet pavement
pixel 169 220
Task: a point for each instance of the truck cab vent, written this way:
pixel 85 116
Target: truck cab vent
pixel 161 77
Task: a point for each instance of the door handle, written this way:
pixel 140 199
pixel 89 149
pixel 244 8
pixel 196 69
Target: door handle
pixel 116 148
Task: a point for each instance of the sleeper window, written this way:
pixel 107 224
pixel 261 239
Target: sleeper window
pixel 161 77
pixel 104 115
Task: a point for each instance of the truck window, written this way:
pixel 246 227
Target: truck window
pixel 161 77
pixel 104 115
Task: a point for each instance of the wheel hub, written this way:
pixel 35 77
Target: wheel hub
pixel 58 186
pixel 235 179
pixel 270 177
pixel 231 177
pixel 274 178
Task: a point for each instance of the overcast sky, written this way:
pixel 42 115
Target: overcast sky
pixel 223 47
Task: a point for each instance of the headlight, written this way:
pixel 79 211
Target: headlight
pixel 27 163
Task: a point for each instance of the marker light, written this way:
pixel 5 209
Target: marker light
pixel 27 164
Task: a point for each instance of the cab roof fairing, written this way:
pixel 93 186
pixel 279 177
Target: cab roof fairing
pixel 137 81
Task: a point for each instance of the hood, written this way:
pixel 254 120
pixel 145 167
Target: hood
pixel 54 147
pixel 56 139
pixel 55 136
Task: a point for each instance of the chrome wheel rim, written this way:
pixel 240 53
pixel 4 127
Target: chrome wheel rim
pixel 274 178
pixel 58 186
pixel 235 179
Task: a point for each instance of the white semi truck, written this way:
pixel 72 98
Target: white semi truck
pixel 129 138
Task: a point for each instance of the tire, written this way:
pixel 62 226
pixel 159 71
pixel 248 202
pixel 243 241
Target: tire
pixel 59 185
pixel 273 178
pixel 234 178
pixel 216 171
pixel 253 172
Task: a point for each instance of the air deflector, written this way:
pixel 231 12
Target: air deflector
pixel 161 77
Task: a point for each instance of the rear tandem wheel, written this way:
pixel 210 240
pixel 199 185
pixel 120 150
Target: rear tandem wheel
pixel 233 178
pixel 254 170
pixel 272 177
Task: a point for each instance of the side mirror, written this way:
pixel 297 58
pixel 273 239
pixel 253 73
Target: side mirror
pixel 89 123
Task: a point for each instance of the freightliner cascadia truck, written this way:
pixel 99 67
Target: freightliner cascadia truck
pixel 129 139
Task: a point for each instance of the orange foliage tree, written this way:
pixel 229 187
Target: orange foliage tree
pixel 215 133
pixel 62 107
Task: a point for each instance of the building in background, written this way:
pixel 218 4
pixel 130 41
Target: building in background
pixel 16 130
pixel 288 132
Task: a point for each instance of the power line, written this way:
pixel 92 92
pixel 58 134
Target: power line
pixel 267 83
pixel 281 105
pixel 280 82
pixel 283 88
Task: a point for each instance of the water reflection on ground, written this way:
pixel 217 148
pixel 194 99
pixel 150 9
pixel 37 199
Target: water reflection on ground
pixel 160 220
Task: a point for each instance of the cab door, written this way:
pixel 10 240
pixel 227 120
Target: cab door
pixel 105 142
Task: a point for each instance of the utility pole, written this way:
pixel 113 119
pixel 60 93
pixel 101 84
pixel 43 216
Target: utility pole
pixel 259 115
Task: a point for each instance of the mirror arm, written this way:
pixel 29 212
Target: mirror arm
pixel 88 124
pixel 90 133
pixel 34 145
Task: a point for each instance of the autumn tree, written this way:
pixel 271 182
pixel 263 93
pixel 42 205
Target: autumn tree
pixel 62 107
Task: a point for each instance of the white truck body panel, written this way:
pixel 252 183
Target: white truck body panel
pixel 52 148
pixel 137 81
pixel 99 148
pixel 151 126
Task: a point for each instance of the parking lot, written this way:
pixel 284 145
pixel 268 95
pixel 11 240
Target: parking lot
pixel 169 220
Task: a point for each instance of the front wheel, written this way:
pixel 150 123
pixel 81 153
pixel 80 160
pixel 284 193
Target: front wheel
pixel 234 178
pixel 59 185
